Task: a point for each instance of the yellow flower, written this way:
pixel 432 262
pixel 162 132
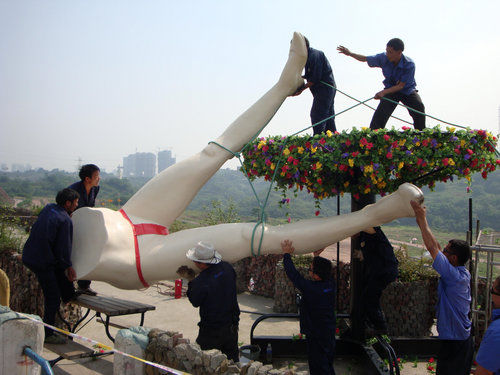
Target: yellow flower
pixel 462 143
pixel 381 185
pixel 346 184
pixel 261 144
pixel 313 150
pixel 254 164
pixel 318 165
pixel 451 162
pixel 366 152
pixel 401 164
pixel 364 128
pixel 450 129
pixel 351 163
pixel 402 142
pixel 300 150
pixel 468 177
pixel 272 166
pixel 329 133
pixel 367 190
pixel 417 144
pixel 368 168
pixel 286 152
pixel 282 174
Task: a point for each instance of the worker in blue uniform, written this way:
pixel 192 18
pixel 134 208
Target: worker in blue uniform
pixel 47 253
pixel 87 188
pixel 380 268
pixel 214 292
pixel 318 70
pixel 488 358
pixel 317 309
pixel 399 83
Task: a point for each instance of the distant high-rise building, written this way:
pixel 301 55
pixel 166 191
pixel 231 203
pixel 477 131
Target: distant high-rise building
pixel 140 164
pixel 165 160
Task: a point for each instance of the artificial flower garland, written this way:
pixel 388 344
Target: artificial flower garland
pixel 369 161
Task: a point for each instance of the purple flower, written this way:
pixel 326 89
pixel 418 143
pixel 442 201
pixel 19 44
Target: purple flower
pixel 345 155
pixel 415 140
pixel 473 140
pixel 408 152
pixel 434 143
pixel 376 166
pixel 453 138
pixel 392 167
pixel 466 156
pixel 296 175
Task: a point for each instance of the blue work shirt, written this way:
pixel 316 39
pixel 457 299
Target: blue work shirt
pixel 488 355
pixel 50 240
pixel 214 292
pixel 454 300
pixel 85 200
pixel 318 69
pixel 317 309
pixel 404 71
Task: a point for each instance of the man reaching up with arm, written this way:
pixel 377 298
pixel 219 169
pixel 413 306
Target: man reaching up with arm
pixel 454 299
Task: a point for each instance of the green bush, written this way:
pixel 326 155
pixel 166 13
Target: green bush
pixel 411 269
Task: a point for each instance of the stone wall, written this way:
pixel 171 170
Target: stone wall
pixel 25 293
pixel 171 349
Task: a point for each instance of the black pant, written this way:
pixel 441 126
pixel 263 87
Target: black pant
pixel 455 357
pixel 322 108
pixel 374 285
pixel 55 286
pixel 385 109
pixel 84 284
pixel 223 338
pixel 320 355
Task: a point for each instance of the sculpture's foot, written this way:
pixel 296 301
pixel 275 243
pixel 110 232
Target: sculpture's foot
pixel 409 192
pixel 291 79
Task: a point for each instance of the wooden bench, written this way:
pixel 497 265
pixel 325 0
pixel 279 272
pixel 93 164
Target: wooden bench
pixel 72 350
pixel 109 306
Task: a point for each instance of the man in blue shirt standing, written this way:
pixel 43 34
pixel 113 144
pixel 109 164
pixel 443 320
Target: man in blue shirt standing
pixel 47 253
pixel 317 309
pixel 399 83
pixel 318 70
pixel 454 299
pixel 88 188
pixel 488 356
pixel 214 292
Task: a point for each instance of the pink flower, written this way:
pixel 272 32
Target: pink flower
pixel 386 137
pixel 289 219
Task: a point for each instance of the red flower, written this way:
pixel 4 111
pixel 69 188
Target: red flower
pixel 431 360
pixel 369 145
pixel 320 181
pixel 355 153
pixel 317 213
pixel 445 162
pixel 356 196
pixel 425 142
pixel 389 155
pixel 386 137
pixel 322 141
pixel 406 128
pixel 308 144
pixel 290 159
pixel 337 330
pixel 347 142
pixel 265 148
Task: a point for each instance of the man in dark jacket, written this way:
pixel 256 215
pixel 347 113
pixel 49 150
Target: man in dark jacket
pixel 317 71
pixel 214 292
pixel 317 309
pixel 47 253
pixel 87 188
pixel 380 268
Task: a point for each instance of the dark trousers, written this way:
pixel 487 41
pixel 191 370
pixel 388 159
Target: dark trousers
pixel 224 338
pixel 322 108
pixel 385 109
pixel 55 286
pixel 374 285
pixel 84 284
pixel 455 357
pixel 320 355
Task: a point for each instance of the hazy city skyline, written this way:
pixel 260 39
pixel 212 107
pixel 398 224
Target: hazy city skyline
pixel 99 80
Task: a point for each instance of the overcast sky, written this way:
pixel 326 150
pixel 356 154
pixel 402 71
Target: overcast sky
pixel 99 80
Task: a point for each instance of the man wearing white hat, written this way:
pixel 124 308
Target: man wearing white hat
pixel 214 292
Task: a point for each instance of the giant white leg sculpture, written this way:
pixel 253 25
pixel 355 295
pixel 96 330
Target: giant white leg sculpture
pixel 106 249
